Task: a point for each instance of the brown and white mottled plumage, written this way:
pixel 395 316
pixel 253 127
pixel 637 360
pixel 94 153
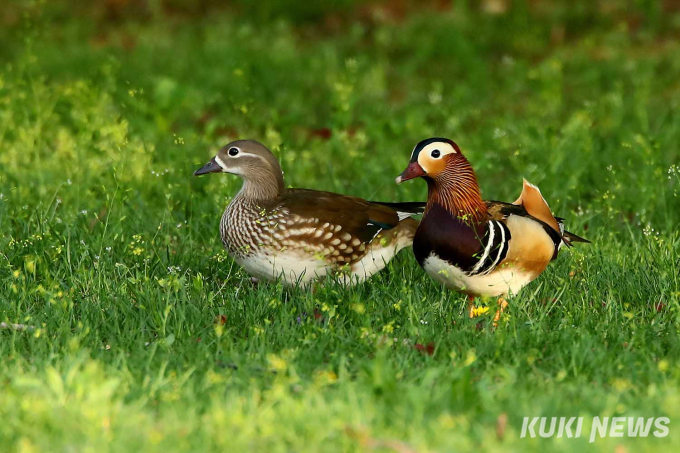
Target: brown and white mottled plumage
pixel 480 248
pixel 302 235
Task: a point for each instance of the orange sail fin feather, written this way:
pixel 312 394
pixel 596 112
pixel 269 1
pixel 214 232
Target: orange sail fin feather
pixel 532 200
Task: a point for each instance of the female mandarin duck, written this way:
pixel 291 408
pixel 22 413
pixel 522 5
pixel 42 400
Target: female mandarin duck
pixel 480 248
pixel 302 235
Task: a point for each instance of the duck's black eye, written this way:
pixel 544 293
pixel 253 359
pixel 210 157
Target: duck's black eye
pixel 435 153
pixel 233 151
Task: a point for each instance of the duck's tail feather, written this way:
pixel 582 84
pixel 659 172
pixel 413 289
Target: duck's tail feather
pixel 405 209
pixel 571 237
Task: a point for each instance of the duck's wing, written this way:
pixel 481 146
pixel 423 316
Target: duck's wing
pixel 352 215
pixel 501 211
pixel 532 205
pixel 532 200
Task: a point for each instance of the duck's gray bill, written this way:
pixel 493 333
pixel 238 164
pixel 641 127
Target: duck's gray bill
pixel 210 167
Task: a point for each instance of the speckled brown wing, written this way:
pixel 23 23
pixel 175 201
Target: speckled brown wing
pixel 356 216
pixel 333 226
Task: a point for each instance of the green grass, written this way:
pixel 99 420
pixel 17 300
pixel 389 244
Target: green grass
pixel 150 338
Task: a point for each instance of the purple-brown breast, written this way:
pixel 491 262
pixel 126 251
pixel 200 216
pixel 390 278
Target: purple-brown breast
pixel 451 238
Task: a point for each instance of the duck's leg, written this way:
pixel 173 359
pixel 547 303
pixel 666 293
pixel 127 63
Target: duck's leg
pixel 502 304
pixel 471 306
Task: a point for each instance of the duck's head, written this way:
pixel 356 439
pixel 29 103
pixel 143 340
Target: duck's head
pixel 451 181
pixel 250 160
pixel 431 159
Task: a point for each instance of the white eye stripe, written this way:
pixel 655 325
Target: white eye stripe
pixel 444 149
pixel 243 154
pixel 220 162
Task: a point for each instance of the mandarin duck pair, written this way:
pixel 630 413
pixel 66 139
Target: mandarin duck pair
pixel 477 247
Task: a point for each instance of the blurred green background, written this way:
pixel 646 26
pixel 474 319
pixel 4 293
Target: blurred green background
pixel 149 337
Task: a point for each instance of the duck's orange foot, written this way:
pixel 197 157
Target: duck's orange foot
pixel 502 305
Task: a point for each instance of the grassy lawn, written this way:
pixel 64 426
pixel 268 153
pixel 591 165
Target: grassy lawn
pixel 149 337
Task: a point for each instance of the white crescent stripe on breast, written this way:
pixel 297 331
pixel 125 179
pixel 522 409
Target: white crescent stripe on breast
pixel 487 250
pixel 501 249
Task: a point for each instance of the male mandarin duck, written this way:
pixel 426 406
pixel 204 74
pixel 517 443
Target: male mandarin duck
pixel 303 235
pixel 477 247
